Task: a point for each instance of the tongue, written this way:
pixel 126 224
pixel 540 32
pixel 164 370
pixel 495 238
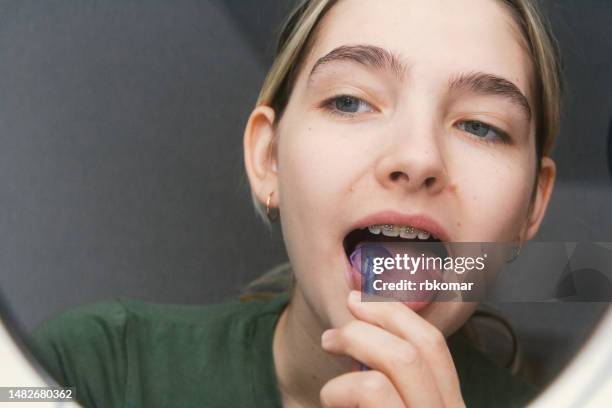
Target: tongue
pixel 403 270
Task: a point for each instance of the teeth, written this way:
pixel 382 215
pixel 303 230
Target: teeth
pixel 408 232
pixel 374 229
pixel 404 231
pixel 390 230
pixel 423 235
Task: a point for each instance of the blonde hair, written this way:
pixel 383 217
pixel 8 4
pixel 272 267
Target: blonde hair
pixel 297 37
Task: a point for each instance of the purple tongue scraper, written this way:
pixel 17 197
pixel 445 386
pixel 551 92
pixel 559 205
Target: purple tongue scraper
pixel 362 259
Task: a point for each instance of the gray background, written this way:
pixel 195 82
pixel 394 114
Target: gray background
pixel 121 160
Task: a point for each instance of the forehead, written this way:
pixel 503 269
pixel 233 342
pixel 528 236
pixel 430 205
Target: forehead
pixel 435 38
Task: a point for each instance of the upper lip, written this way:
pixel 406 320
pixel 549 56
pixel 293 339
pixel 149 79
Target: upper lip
pixel 419 221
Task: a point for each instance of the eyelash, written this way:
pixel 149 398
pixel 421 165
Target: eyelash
pixel 328 107
pixel 503 136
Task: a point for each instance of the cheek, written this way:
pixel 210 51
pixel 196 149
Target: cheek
pixel 316 169
pixel 495 192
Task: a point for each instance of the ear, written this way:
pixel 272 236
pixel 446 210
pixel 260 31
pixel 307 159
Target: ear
pixel 544 187
pixel 260 154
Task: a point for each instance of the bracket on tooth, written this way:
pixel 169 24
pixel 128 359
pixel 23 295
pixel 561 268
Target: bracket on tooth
pixel 423 235
pixel 407 231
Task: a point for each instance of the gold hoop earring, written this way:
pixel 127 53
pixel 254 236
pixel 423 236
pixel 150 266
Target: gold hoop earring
pixel 516 251
pixel 271 217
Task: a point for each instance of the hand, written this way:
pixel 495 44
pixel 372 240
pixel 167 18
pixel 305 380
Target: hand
pixel 410 364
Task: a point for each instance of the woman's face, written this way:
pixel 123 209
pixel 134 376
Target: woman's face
pixel 401 109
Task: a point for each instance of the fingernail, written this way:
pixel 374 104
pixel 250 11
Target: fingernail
pixel 354 296
pixel 328 337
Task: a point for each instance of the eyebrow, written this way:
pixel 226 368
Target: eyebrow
pixel 367 55
pixel 489 84
pixel 384 60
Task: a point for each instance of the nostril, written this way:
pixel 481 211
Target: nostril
pixel 396 175
pixel 430 181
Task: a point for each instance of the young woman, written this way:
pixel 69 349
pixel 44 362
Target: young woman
pixel 428 116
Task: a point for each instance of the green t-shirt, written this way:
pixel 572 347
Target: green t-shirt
pixel 131 353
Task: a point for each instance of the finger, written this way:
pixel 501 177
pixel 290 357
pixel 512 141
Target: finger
pixel 392 355
pixel 361 389
pixel 407 324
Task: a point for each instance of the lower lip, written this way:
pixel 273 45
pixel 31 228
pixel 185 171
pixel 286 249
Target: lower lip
pixel 354 282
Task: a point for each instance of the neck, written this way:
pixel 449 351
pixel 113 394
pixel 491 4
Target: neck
pixel 302 366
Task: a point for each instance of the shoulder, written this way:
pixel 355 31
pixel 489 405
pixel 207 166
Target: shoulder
pixel 86 318
pixel 114 349
pixel 103 320
pixel 88 338
pixel 92 327
pixel 145 312
pixel 483 382
pixel 81 328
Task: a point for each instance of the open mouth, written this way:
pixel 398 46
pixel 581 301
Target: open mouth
pixel 393 240
pixel 393 233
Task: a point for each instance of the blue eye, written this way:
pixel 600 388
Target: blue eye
pixel 482 130
pixel 348 105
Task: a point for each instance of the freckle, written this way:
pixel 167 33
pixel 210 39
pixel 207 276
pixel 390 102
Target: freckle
pixel 458 223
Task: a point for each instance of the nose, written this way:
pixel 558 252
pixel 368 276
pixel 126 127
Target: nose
pixel 413 162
